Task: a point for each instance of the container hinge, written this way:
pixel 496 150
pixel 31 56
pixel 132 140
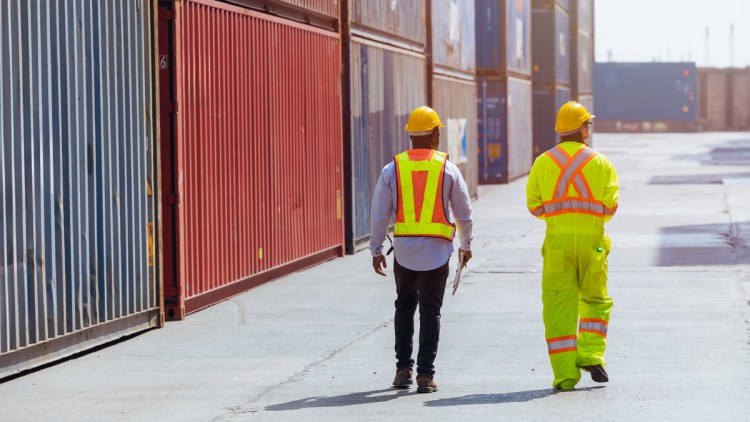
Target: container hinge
pixel 167 15
pixel 170 107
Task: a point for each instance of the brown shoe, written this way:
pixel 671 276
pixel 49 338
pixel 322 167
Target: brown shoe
pixel 403 378
pixel 425 384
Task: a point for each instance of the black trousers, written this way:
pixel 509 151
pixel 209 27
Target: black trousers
pixel 426 289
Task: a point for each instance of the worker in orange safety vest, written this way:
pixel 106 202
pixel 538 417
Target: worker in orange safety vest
pixel 575 190
pixel 416 189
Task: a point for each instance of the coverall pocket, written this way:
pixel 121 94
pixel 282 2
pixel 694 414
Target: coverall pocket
pixel 598 261
pixel 554 261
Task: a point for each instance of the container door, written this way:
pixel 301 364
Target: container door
pixel 174 306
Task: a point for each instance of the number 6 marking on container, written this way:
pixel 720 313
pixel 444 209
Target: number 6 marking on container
pixel 163 61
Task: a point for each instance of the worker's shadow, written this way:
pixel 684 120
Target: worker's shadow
pixel 352 399
pixel 515 397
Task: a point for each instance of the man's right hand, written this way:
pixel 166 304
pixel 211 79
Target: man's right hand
pixel 378 264
pixel 464 256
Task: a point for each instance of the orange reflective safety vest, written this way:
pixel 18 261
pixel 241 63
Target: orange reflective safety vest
pixel 572 185
pixel 420 210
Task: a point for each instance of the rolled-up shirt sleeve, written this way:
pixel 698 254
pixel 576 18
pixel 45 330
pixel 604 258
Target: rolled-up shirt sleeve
pixel 381 210
pixel 460 203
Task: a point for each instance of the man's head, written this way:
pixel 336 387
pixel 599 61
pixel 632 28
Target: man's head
pixel 423 127
pixel 574 122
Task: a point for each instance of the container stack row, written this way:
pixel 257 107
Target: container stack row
pixel 504 86
pixel 160 156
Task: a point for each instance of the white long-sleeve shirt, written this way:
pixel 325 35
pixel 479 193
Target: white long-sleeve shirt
pixel 420 253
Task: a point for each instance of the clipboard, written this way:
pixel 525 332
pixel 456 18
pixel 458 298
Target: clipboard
pixel 457 279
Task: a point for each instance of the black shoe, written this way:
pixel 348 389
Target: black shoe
pixel 403 378
pixel 598 374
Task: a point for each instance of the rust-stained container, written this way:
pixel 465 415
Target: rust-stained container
pixel 455 101
pixel 453 37
pixel 504 118
pixel 385 85
pixel 396 22
pixel 724 96
pixel 321 13
pixel 258 151
pixel 78 212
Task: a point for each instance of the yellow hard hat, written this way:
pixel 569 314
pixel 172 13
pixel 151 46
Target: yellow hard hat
pixel 571 117
pixel 422 121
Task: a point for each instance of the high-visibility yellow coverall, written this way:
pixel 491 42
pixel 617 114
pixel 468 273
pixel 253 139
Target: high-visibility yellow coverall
pixel 574 189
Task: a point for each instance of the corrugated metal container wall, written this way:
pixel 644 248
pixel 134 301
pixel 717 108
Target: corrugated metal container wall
pixel 403 19
pixel 386 85
pixel 455 101
pixel 565 4
pixel 714 98
pixel 503 45
pixel 328 8
pixel 550 45
pixel 261 187
pixel 582 45
pixel 505 142
pixel 453 36
pixel 77 251
pixel 547 101
pixel 741 99
pixel 645 91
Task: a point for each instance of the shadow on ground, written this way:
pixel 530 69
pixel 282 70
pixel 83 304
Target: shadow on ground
pixel 515 397
pixel 352 399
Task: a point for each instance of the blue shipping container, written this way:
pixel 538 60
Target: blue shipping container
pixel 547 101
pixel 504 127
pixel 78 226
pixel 503 39
pixel 551 47
pixel 453 36
pixel 646 91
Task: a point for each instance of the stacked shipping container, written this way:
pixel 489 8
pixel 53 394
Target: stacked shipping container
pixel 78 230
pixel 582 53
pixel 384 78
pixel 503 55
pixel 724 98
pixel 255 188
pixel 551 69
pixel 453 85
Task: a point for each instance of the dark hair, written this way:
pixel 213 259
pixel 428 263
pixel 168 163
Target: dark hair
pixel 575 137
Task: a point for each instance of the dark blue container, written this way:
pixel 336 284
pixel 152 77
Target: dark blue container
pixel 504 128
pixel 547 101
pixel 646 91
pixel 551 46
pixel 503 36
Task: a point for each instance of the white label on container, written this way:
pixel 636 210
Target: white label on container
pixel 394 5
pixel 585 61
pixel 563 50
pixel 454 23
pixel 519 38
pixel 457 148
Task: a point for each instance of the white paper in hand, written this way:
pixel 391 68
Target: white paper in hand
pixel 458 277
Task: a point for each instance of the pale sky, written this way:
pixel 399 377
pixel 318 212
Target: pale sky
pixel 672 30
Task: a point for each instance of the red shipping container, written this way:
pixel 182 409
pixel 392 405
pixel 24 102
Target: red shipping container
pixel 256 179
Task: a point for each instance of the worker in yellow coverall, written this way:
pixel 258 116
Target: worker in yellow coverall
pixel 574 189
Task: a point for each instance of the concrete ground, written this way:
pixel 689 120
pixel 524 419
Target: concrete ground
pixel 318 345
